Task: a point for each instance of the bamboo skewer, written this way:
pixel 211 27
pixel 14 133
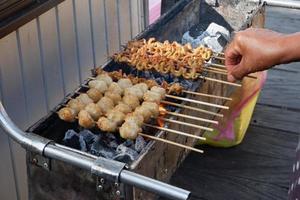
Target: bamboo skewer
pixel 197 102
pixel 218 57
pixel 216 72
pixel 192 108
pixel 207 95
pixel 220 81
pixel 176 132
pixel 223 72
pixel 186 124
pixel 171 142
pixel 190 117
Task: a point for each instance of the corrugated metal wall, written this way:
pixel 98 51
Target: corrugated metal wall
pixel 47 58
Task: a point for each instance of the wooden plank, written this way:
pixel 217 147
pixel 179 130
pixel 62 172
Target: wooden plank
pixel 100 32
pixel 49 51
pixel 282 89
pixel 14 101
pixel 84 38
pixel 66 27
pixel 276 118
pixel 112 26
pixel 259 168
pixel 32 71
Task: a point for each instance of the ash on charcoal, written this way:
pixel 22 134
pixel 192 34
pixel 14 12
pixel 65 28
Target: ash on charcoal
pixel 99 148
pixel 73 139
pixel 88 137
pixel 122 149
pixel 140 144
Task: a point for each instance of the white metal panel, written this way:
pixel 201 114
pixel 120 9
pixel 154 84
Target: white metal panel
pixel 83 34
pixel 99 31
pixel 124 20
pixel 66 31
pixel 14 101
pixel 135 17
pixel 112 26
pixel 49 51
pixel 27 37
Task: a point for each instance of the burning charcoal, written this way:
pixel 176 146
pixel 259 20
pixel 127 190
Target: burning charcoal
pixel 72 139
pixel 99 148
pixel 139 143
pixel 128 143
pixel 122 149
pixel 113 144
pixel 88 136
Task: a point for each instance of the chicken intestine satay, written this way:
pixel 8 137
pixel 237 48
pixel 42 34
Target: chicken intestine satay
pixel 94 110
pixel 85 120
pixel 105 104
pixel 67 114
pixel 94 94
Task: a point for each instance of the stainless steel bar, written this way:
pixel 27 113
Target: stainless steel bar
pixel 152 185
pixel 91 163
pixel 280 3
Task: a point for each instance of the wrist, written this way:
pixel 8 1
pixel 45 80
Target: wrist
pixel 289 46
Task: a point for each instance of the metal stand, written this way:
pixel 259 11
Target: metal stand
pixel 280 3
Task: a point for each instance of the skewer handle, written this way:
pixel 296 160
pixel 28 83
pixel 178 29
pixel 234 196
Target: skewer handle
pixel 185 124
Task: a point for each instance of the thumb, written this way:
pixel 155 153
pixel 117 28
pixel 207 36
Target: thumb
pixel 238 71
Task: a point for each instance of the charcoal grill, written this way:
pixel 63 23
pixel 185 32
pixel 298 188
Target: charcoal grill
pixel 59 172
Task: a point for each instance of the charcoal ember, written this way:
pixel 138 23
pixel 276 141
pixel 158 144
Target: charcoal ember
pixel 88 137
pixel 122 149
pixel 140 144
pixel 100 148
pixel 111 140
pixel 128 143
pixel 72 139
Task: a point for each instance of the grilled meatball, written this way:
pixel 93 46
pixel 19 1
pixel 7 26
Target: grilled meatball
pixel 67 114
pixel 94 110
pixel 122 107
pixel 94 94
pixel 125 83
pixel 129 130
pixel 76 105
pixel 135 117
pixel 107 125
pixel 136 91
pixel 115 97
pixel 145 112
pixel 84 98
pixel 152 97
pixel 159 90
pixel 152 107
pixel 85 120
pixel 142 86
pixel 131 100
pixel 116 116
pixel 99 85
pixel 175 88
pixel 105 104
pixel 114 87
pixel 105 77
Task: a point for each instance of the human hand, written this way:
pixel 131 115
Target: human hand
pixel 253 50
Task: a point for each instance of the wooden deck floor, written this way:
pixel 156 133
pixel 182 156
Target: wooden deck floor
pixel 260 167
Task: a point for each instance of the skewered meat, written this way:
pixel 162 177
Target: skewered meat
pixel 99 85
pixel 152 107
pixel 107 125
pixel 175 88
pixel 134 91
pixel 116 116
pixel 94 110
pixel 76 105
pixel 131 100
pixel 115 88
pixel 152 97
pixel 143 111
pixel 122 107
pixel 129 130
pixel 105 104
pixel 67 114
pixel 135 117
pixel 85 120
pixel 115 75
pixel 161 91
pixel 105 77
pixel 125 83
pixel 142 86
pixel 115 97
pixel 151 83
pixel 84 98
pixel 94 94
